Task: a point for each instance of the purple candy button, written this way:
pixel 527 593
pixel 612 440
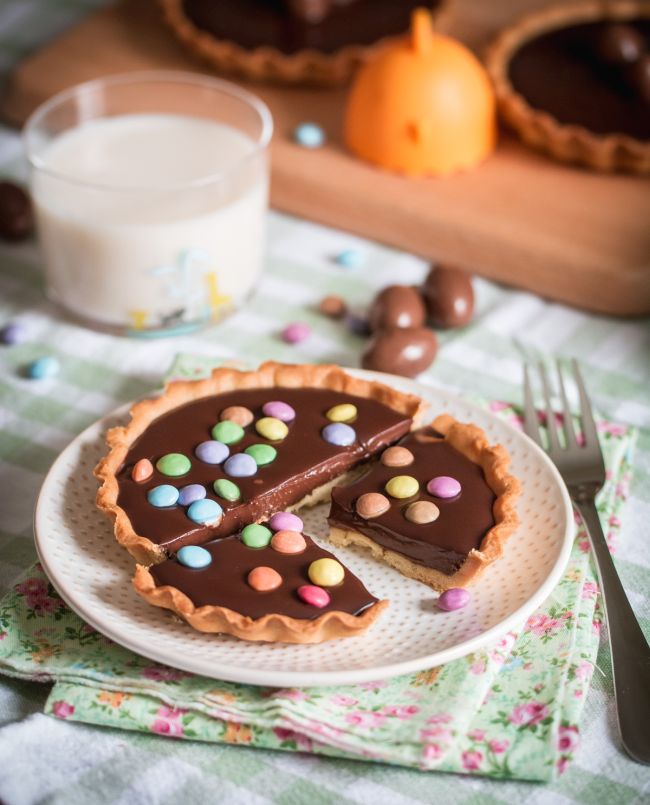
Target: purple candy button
pixel 443 487
pixel 456 598
pixel 285 521
pixel 280 410
pixel 212 452
pixel 339 434
pixel 190 493
pixel 241 465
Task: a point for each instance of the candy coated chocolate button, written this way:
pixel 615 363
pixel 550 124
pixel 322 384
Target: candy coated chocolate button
pixel 194 556
pixel 228 432
pixel 397 306
pixel 404 351
pixel 402 486
pixel 345 412
pixel 422 512
pixel 372 504
pixel 13 333
pixel 262 454
pixel 279 410
pixel 163 496
pixel 43 368
pixel 142 470
pixel 350 258
pixel 212 452
pixel 271 428
pixel 296 332
pixel 238 414
pixel 263 579
pixel 205 512
pixel 256 536
pixel 190 493
pixel 174 464
pixel 286 521
pixel 456 598
pixel 449 296
pixel 333 306
pixel 396 457
pixel 326 572
pixel 309 135
pixel 288 542
pixel 339 434
pixel 314 596
pixel 226 489
pixel 443 487
pixel 241 465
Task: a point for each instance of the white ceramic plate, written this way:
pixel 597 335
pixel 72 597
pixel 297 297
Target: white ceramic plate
pixel 92 574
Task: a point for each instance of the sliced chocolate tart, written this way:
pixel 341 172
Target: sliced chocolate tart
pixel 438 507
pixel 208 457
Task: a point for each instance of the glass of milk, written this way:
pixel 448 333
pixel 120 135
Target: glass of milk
pixel 150 191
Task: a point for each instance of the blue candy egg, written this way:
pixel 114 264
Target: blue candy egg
pixel 309 135
pixel 212 451
pixel 194 556
pixel 190 493
pixel 163 496
pixel 241 465
pixel 339 434
pixel 205 512
pixel 42 368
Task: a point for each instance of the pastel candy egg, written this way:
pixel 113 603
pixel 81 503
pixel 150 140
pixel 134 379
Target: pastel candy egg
pixel 263 579
pixel 422 512
pixel 279 410
pixel 286 521
pixel 402 486
pixel 142 470
pixel 372 504
pixel 262 454
pixel 190 493
pixel 443 486
pixel 271 428
pixel 212 452
pixel 314 596
pixel 345 412
pixel 205 512
pixel 296 332
pixel 226 489
pixel 194 556
pixel 339 434
pixel 174 464
pixel 241 465
pixel 43 368
pixel 288 542
pixel 397 457
pixel 238 414
pixel 256 535
pixel 455 598
pixel 163 496
pixel 326 572
pixel 309 135
pixel 227 432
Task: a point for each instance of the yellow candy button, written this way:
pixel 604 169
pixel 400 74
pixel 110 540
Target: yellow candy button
pixel 345 412
pixel 402 486
pixel 271 428
pixel 326 572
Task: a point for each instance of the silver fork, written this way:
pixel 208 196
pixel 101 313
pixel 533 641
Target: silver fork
pixel 583 470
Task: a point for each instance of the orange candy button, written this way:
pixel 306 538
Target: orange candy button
pixel 288 542
pixel 142 470
pixel 263 579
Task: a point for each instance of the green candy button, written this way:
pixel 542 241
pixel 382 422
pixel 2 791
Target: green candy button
pixel 226 489
pixel 256 535
pixel 262 453
pixel 174 464
pixel 227 432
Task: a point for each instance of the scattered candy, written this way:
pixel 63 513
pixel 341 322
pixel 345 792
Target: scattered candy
pixel 350 258
pixel 163 496
pixel 286 521
pixel 456 598
pixel 314 596
pixel 238 414
pixel 288 542
pixel 345 412
pixel 263 579
pixel 142 470
pixel 241 465
pixel 256 535
pixel 402 486
pixel 309 135
pixel 191 493
pixel 42 368
pixel 357 322
pixel 205 512
pixel 13 333
pixel 228 432
pixel 372 504
pixel 226 489
pixel 262 454
pixel 174 464
pixel 443 487
pixel 212 452
pixel 333 306
pixel 339 434
pixel 422 512
pixel 16 214
pixel 279 410
pixel 326 572
pixel 296 332
pixel 397 306
pixel 271 428
pixel 397 457
pixel 194 556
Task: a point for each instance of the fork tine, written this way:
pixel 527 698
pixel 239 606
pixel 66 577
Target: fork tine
pixel 531 424
pixel 551 425
pixel 569 430
pixel 588 424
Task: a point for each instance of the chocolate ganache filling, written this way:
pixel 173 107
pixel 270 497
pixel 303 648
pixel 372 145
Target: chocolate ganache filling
pixel 442 544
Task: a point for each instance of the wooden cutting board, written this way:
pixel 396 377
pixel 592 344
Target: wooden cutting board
pixel 520 218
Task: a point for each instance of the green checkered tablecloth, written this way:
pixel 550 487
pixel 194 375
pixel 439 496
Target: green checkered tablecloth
pixel 50 760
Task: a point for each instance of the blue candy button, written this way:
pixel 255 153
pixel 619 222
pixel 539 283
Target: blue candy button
pixel 194 556
pixel 163 496
pixel 339 434
pixel 205 512
pixel 43 367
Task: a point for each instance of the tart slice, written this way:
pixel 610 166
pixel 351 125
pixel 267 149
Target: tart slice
pixel 438 507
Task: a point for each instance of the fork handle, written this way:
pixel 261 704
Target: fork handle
pixel 629 648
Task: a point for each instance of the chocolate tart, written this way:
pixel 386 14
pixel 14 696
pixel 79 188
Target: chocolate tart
pixel 271 40
pixel 302 472
pixel 471 528
pixel 561 96
pixel 219 599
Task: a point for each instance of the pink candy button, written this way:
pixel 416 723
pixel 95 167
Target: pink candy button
pixel 296 332
pixel 285 521
pixel 313 595
pixel 443 487
pixel 280 410
pixel 455 598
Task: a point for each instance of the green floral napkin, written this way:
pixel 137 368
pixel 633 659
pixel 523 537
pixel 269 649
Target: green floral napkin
pixel 510 711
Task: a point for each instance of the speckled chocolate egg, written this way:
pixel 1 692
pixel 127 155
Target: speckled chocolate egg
pixel 397 306
pixel 405 351
pixel 449 296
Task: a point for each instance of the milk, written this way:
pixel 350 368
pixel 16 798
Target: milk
pixel 151 221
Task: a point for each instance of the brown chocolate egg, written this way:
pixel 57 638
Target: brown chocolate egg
pixel 449 296
pixel 619 44
pixel 405 351
pixel 397 306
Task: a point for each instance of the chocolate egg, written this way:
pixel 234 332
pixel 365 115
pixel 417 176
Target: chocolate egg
pixel 638 75
pixel 405 351
pixel 449 296
pixel 619 44
pixel 397 306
